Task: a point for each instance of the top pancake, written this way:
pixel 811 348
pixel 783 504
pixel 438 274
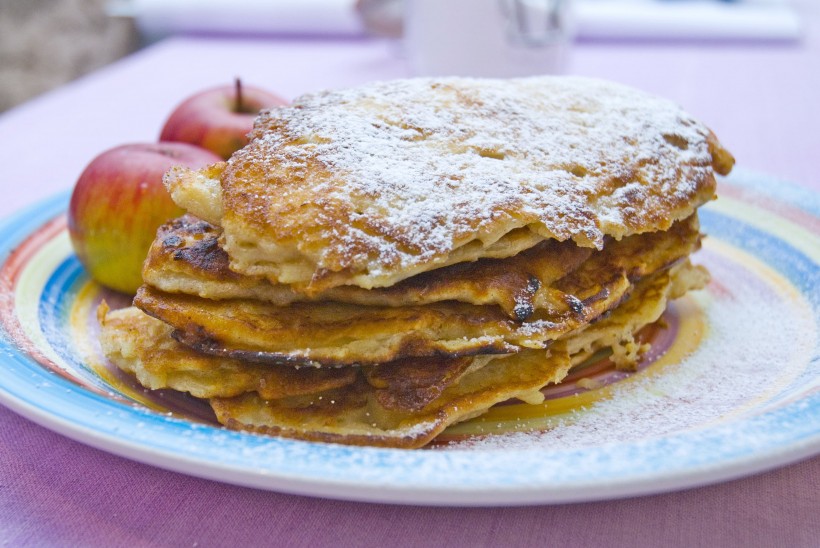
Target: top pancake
pixel 372 185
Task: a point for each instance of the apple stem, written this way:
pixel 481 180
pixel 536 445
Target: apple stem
pixel 239 105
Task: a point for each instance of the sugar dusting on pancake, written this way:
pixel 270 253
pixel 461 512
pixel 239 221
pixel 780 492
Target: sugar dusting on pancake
pixel 380 182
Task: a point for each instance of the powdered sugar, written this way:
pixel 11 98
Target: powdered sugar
pixel 419 167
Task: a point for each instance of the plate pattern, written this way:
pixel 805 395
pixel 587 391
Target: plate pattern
pixel 731 385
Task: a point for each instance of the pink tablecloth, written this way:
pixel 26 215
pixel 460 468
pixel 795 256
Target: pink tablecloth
pixel 761 99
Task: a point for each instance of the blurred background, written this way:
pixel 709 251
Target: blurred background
pixel 44 43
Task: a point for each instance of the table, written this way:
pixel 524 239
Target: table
pixel 760 99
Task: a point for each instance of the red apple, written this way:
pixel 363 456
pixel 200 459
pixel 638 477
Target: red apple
pixel 118 203
pixel 220 118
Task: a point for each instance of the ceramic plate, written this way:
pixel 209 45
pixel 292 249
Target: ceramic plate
pixel 729 388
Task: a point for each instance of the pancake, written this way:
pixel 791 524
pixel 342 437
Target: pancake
pixel 372 185
pixel 381 262
pixel 400 404
pixel 186 258
pixel 143 346
pixel 327 333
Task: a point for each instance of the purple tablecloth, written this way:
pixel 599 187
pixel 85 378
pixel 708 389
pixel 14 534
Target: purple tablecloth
pixel 761 99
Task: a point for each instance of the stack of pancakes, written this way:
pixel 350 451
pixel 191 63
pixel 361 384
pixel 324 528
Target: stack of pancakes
pixel 381 262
